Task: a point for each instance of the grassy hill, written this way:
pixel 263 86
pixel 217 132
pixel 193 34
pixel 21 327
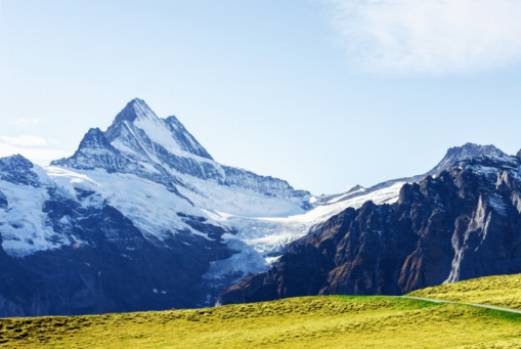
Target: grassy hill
pixel 308 322
pixel 502 290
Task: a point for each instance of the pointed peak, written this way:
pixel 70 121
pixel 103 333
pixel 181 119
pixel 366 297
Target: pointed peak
pixel 94 138
pixel 137 100
pixel 136 108
pixel 94 151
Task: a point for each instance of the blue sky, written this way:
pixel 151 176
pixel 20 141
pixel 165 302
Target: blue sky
pixel 324 93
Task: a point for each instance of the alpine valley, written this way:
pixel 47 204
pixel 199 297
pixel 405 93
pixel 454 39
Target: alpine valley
pixel 141 217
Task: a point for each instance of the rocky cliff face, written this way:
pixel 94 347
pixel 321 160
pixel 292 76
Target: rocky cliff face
pixel 463 223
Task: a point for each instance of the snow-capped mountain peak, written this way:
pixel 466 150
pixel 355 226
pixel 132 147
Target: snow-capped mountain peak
pixel 139 132
pixel 162 150
pixel 469 151
pixel 135 109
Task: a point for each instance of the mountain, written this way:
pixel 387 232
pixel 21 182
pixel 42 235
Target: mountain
pixel 162 150
pixel 136 219
pixel 462 220
pixel 142 217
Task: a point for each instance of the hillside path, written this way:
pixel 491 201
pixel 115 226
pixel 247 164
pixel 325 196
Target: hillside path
pixel 485 306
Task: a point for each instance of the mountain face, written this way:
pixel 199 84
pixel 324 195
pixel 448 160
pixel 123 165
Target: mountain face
pixel 464 222
pixel 138 218
pixel 69 251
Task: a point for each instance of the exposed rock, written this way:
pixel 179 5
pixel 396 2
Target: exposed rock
pixel 464 223
pixel 18 170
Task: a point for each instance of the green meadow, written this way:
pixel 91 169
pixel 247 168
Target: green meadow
pixel 501 290
pixel 307 322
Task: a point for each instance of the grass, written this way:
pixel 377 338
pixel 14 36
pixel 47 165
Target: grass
pixel 307 322
pixel 503 291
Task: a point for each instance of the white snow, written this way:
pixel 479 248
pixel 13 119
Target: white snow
pixel 23 225
pixel 149 205
pixel 242 263
pixel 266 213
pixel 268 234
pixel 156 130
pixel 235 200
pixel 263 223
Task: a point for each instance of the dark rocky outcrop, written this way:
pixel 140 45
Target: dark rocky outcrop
pixel 461 224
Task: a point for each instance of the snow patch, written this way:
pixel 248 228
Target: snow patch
pixel 23 225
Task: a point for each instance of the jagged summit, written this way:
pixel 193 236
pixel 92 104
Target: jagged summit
pixel 136 108
pixel 136 135
pixel 94 138
pixel 162 150
pixel 94 151
pixel 138 127
pixel 470 151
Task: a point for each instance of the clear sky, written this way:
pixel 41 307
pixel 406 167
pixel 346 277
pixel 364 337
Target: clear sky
pixel 324 93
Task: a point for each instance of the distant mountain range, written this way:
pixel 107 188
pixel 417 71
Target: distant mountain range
pixel 142 217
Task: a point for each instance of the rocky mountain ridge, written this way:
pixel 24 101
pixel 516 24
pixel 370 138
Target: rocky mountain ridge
pixel 461 223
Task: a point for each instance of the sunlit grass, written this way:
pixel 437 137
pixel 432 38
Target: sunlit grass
pixel 503 290
pixel 308 322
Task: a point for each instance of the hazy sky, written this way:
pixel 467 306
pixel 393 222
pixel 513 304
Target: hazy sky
pixel 325 94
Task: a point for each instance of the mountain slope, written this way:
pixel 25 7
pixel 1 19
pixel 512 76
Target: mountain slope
pixel 67 250
pixel 460 224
